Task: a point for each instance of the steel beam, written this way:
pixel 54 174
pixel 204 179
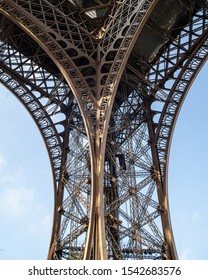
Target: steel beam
pixel 82 74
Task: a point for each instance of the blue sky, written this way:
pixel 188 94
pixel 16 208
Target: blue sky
pixel 188 170
pixel 26 194
pixel 26 188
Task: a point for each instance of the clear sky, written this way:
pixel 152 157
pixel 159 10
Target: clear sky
pixel 188 173
pixel 26 188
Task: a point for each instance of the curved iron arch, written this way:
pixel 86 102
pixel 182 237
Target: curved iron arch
pixel 178 57
pixel 193 44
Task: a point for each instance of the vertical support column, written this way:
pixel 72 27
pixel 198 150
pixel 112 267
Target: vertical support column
pixel 59 195
pixel 100 246
pixel 169 251
pixel 96 239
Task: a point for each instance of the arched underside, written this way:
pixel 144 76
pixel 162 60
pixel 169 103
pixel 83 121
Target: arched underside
pixel 106 114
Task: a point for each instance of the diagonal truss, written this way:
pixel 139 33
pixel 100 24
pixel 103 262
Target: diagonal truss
pixel 106 113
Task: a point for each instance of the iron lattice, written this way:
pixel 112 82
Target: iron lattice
pixel 105 81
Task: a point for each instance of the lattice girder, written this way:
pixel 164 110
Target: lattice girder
pixel 189 53
pixel 30 95
pixel 112 148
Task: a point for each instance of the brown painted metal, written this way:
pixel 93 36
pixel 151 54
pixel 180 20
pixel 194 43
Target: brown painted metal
pixel 92 76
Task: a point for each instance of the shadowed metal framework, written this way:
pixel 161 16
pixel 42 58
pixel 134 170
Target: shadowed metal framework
pixel 104 81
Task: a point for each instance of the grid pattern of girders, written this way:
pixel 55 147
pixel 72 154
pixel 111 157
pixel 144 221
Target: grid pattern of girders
pixel 72 65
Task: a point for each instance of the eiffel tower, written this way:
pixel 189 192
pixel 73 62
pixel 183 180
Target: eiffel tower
pixel 104 81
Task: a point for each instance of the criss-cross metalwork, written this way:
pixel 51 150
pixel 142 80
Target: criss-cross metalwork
pixel 105 81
